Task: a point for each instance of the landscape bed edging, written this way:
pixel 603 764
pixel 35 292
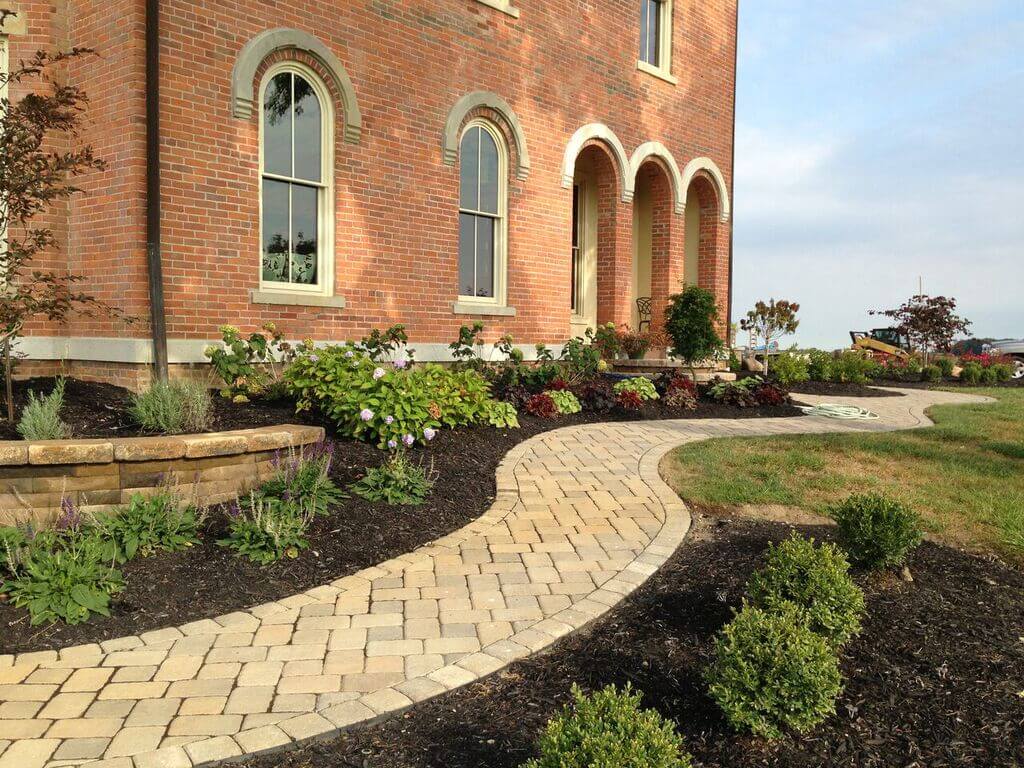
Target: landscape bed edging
pixel 99 475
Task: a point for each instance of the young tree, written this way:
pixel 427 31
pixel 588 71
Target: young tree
pixel 690 322
pixel 33 176
pixel 770 322
pixel 930 323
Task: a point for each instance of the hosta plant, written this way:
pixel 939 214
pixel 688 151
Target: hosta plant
pixel 641 385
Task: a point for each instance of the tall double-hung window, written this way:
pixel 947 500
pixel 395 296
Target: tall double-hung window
pixel 656 38
pixel 483 192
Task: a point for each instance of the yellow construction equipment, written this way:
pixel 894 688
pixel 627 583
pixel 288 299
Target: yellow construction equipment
pixel 882 343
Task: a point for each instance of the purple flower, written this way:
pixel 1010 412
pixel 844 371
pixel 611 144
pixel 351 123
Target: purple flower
pixel 366 414
pixel 350 353
pixel 379 373
pixel 429 433
pixel 70 518
pixel 389 420
pixel 392 444
pixel 313 358
pixel 234 511
pixel 400 364
pixel 408 440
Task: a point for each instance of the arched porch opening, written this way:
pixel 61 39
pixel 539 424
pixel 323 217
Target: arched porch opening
pixel 654 277
pixel 706 242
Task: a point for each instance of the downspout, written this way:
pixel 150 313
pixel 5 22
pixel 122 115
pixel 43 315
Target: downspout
pixel 732 164
pixel 158 320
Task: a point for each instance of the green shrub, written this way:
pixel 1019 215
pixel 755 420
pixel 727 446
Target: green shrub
pixel 690 321
pixel 643 386
pixel 385 402
pixel 971 373
pixel 581 359
pixel 159 523
pixel 64 578
pixel 875 531
pixel 609 730
pixel 266 530
pixel 989 376
pixel 565 401
pixel 397 481
pixel 501 415
pixel 40 419
pixel 772 672
pixel 248 366
pixel 851 366
pixel 1002 371
pixel 304 477
pixel 946 366
pixel 819 365
pixel 173 408
pixel 932 373
pixel 741 393
pixel 817 581
pixel 791 368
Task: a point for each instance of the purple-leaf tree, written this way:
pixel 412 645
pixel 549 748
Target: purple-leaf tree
pixel 770 322
pixel 930 323
pixel 34 175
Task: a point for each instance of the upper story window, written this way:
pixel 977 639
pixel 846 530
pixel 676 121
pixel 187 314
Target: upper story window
pixel 656 38
pixel 296 169
pixel 483 193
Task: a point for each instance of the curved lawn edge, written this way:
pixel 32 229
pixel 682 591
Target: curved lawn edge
pixel 325 722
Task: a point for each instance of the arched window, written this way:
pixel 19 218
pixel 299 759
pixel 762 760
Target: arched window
pixel 297 178
pixel 483 171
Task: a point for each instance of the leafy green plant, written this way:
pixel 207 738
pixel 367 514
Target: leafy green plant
pixel 1003 372
pixel 741 393
pixel 606 339
pixel 791 367
pixel 398 481
pixel 304 477
pixel 64 578
pixel 989 376
pixel 173 408
pixel 466 349
pixel 876 531
pixel 772 672
pixel 565 401
pixel 819 364
pixel 582 360
pixel 931 373
pixel 946 366
pixel 852 366
pixel 690 320
pixel 381 345
pixel 607 729
pixel 13 542
pixel 158 523
pixel 643 386
pixel 502 415
pixel 817 581
pixel 265 530
pixel 248 366
pixel 40 419
pixel 971 373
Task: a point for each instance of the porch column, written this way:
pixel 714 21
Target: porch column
pixel 614 254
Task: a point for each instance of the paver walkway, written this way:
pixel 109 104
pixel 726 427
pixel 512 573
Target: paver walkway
pixel 582 518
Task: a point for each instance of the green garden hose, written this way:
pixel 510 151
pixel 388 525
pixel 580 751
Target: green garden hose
pixel 844 412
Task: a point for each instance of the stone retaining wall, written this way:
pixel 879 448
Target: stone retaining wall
pixel 101 474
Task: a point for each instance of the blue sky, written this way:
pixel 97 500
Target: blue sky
pixel 880 142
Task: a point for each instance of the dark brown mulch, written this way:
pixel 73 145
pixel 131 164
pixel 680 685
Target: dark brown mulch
pixel 933 681
pixel 206 581
pixel 842 388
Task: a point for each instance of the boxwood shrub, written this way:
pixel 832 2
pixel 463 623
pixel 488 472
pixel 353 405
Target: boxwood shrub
pixel 876 532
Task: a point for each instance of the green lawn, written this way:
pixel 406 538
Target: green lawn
pixel 965 476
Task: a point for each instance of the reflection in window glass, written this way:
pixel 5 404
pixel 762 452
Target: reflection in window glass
pixel 480 217
pixel 293 189
pixel 650 31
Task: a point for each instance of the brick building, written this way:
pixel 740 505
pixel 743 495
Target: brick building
pixel 339 165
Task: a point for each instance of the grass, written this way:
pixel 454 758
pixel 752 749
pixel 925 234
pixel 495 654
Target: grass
pixel 965 475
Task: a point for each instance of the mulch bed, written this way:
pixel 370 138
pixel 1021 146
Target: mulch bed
pixel 842 388
pixel 207 580
pixel 934 680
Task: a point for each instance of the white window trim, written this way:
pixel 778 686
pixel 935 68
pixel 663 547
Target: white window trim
pixel 665 27
pixel 327 212
pixel 466 304
pixel 505 6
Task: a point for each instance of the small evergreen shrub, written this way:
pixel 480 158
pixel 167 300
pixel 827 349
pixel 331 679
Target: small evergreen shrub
pixel 1003 372
pixel 40 419
pixel 931 373
pixel 160 523
pixel 791 368
pixel 877 532
pixel 817 581
pixel 989 376
pixel 772 672
pixel 608 729
pixel 643 386
pixel 946 366
pixel 266 530
pixel 397 481
pixel 173 408
pixel 971 373
pixel 565 401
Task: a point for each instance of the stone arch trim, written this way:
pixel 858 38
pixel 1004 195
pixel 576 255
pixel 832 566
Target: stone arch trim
pixel 268 42
pixel 492 101
pixel 708 167
pixel 655 149
pixel 604 134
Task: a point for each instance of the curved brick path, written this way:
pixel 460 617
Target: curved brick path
pixel 581 519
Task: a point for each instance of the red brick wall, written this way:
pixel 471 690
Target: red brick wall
pixel 561 65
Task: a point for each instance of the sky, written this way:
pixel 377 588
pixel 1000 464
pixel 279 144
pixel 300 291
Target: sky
pixel 879 143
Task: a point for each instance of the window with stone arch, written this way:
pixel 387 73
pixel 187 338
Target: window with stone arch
pixel 483 214
pixel 296 181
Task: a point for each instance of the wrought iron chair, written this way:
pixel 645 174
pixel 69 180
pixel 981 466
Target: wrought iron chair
pixel 643 308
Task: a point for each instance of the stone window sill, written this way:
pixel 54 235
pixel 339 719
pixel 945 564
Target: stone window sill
pixel 502 5
pixel 657 72
pixel 492 310
pixel 295 299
